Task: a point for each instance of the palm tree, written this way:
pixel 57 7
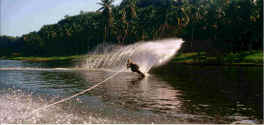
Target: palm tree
pixel 130 7
pixel 124 29
pixel 106 10
pixel 128 11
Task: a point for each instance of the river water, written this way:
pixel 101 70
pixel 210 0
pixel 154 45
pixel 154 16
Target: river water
pixel 173 93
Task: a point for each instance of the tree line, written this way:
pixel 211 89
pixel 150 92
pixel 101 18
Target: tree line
pixel 224 25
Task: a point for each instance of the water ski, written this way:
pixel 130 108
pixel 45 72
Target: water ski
pixel 134 67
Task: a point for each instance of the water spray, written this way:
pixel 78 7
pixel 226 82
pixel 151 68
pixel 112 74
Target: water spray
pixel 145 54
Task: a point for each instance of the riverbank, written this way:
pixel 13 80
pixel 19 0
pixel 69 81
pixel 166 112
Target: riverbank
pixel 43 59
pixel 247 58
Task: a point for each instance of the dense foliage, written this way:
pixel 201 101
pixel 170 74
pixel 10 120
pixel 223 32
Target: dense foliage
pixel 222 25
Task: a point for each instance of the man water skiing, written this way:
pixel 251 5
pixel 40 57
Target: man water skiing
pixel 134 67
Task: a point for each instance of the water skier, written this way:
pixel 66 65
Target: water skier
pixel 134 67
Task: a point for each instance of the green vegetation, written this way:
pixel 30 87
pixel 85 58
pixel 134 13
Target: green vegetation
pixel 254 58
pixel 242 58
pixel 41 59
pixel 212 27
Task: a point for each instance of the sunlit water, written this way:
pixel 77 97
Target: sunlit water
pixel 170 94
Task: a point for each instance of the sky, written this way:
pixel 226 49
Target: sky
pixel 18 17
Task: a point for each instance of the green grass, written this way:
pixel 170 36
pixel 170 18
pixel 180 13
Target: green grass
pixel 41 59
pixel 255 57
pixel 242 58
pixel 51 58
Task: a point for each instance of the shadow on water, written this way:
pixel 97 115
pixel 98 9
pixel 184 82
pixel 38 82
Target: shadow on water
pixel 212 90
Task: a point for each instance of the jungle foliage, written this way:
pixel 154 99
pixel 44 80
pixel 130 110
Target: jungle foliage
pixel 222 25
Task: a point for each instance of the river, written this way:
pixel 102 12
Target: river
pixel 173 93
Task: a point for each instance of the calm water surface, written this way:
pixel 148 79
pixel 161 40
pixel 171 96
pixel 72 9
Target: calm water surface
pixel 170 94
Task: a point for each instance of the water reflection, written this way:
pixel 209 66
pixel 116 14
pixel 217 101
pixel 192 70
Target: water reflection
pixel 131 91
pixel 217 91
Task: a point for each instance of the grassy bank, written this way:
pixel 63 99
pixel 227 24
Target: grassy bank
pixel 242 58
pixel 42 59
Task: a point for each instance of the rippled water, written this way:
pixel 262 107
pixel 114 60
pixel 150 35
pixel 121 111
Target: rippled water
pixel 170 94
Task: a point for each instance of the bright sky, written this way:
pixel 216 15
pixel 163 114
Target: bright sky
pixel 18 17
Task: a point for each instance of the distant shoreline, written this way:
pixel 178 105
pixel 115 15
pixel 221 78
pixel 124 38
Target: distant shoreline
pixel 44 59
pixel 230 64
pixel 254 58
pixel 246 58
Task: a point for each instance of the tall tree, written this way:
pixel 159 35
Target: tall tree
pixel 129 15
pixel 107 17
